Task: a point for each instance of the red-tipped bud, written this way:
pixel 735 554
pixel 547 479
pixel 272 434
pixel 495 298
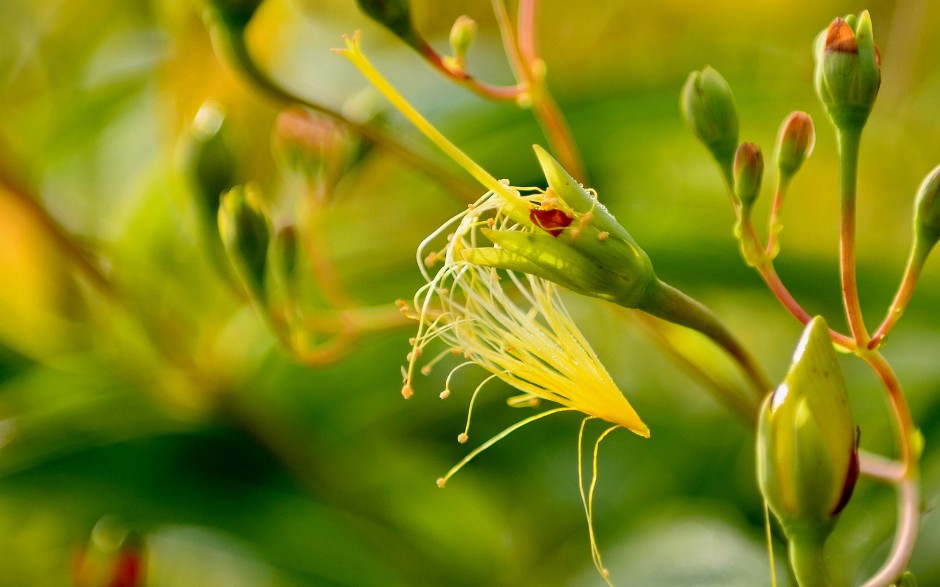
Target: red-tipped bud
pixel 748 172
pixel 848 71
pixel 795 143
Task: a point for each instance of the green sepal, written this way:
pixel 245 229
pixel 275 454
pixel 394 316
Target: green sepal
pixel 610 269
pixel 574 195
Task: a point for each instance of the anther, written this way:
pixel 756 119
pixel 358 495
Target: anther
pixel 603 235
pixel 445 394
pixel 462 438
pixel 440 482
pixel 407 391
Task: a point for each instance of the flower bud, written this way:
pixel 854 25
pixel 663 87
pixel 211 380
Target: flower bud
pixel 210 161
pixel 246 231
pixel 927 211
pixel 807 441
pixel 461 36
pixel 708 106
pixel 394 15
pixel 314 145
pixel 848 71
pixel 581 245
pixel 748 172
pixel 795 143
pixel 112 556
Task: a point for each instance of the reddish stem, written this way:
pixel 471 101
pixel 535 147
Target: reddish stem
pixel 464 79
pixel 905 290
pixel 908 487
pixel 528 41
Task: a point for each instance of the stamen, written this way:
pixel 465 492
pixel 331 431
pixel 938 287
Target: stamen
pixel 451 374
pixel 495 439
pixel 466 431
pixel 588 500
pixel 523 401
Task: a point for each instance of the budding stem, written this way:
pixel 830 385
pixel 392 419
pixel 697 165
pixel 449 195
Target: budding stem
pixel 908 487
pixel 528 68
pixel 915 263
pixel 848 152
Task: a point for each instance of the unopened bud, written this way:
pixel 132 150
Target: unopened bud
pixel 748 172
pixel 314 145
pixel 210 162
pixel 246 231
pixel 461 36
pixel 708 106
pixel 927 211
pixel 848 71
pixel 795 143
pixel 807 441
pixel 394 15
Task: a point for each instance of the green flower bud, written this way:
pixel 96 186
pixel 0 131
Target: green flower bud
pixel 394 15
pixel 927 211
pixel 807 442
pixel 246 230
pixel 210 161
pixel 795 143
pixel 848 71
pixel 708 106
pixel 461 36
pixel 748 172
pixel 581 246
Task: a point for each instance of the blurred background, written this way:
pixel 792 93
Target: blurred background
pixel 149 418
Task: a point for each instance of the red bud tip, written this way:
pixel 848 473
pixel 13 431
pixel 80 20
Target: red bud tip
pixel 841 38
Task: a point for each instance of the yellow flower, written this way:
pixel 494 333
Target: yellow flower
pixel 516 327
pixel 513 325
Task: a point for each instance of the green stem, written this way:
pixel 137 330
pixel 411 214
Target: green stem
pixel 848 154
pixel 666 302
pixel 807 558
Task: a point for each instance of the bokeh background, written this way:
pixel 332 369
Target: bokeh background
pixel 161 407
